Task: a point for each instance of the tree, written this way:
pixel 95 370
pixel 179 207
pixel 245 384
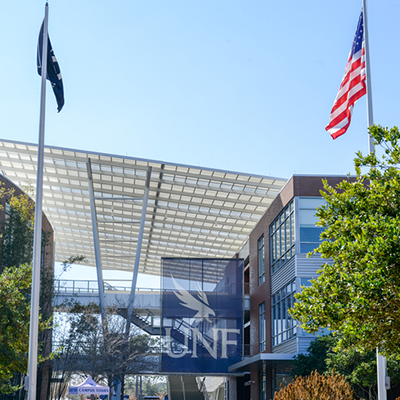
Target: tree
pixel 358 291
pixel 154 386
pixel 314 359
pixel 69 349
pixel 104 354
pixel 14 323
pixel 16 240
pixel 359 369
pixel 16 245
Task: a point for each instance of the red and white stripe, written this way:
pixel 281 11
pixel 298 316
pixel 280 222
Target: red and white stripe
pixel 353 87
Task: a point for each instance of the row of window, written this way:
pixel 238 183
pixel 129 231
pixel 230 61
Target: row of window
pixel 282 241
pixel 282 249
pixel 309 232
pixel 283 236
pixel 283 325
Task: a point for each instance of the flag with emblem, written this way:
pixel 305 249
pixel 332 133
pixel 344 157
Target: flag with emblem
pixel 353 85
pixel 53 69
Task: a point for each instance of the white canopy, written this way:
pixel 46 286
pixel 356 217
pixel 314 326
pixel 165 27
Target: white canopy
pixel 191 212
pixel 89 387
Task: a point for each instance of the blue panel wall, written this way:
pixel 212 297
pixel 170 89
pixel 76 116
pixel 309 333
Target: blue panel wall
pixel 202 317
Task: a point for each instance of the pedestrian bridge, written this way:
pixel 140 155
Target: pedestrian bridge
pixel 146 307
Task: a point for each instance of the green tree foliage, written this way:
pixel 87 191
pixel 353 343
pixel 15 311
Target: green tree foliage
pixel 359 369
pixel 316 386
pixel 14 323
pixel 16 240
pixel 16 246
pixel 314 359
pixel 154 386
pixel 151 386
pixel 358 292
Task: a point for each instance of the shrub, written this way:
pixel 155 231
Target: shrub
pixel 316 386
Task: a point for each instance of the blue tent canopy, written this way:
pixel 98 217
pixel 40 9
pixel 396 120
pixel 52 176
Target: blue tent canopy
pixel 89 387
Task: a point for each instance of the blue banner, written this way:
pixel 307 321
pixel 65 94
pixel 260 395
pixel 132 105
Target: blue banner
pixel 202 317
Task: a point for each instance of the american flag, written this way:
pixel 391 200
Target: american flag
pixel 353 85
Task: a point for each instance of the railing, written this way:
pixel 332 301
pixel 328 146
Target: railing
pixel 91 286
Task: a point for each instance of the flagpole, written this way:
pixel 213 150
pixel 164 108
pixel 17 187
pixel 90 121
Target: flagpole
pixel 37 241
pixel 380 360
pixel 370 113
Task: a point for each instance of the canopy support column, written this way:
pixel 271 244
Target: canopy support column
pixel 138 251
pixel 96 239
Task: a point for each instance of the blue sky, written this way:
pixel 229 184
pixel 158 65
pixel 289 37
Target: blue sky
pixel 242 86
pixel 235 85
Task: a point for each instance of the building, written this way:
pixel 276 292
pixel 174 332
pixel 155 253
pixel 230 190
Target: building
pixel 276 268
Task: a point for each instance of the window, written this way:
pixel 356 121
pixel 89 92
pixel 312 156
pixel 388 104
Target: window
pixel 261 311
pixel 263 384
pixel 309 232
pixel 282 232
pixel 261 268
pixel 283 326
pixel 281 375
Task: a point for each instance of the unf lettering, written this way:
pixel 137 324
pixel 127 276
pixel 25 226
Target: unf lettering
pixel 225 342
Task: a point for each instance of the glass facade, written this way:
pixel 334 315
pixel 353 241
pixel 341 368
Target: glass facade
pixel 262 333
pixel 283 326
pixel 309 232
pixel 261 263
pixel 282 236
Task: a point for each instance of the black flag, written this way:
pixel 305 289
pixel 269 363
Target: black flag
pixel 53 70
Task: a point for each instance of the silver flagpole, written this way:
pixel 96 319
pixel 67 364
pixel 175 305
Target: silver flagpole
pixel 370 113
pixel 380 360
pixel 37 241
pixel 381 370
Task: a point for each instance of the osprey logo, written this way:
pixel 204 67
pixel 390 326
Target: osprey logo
pixel 201 315
pixel 201 305
pixel 210 340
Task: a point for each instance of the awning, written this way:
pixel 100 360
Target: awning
pixel 270 360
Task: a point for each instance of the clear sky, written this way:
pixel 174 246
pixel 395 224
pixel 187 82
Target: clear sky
pixel 235 85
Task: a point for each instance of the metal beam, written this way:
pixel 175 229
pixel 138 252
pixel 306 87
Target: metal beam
pixel 138 251
pixel 102 221
pixel 96 239
pixel 118 241
pixel 119 198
